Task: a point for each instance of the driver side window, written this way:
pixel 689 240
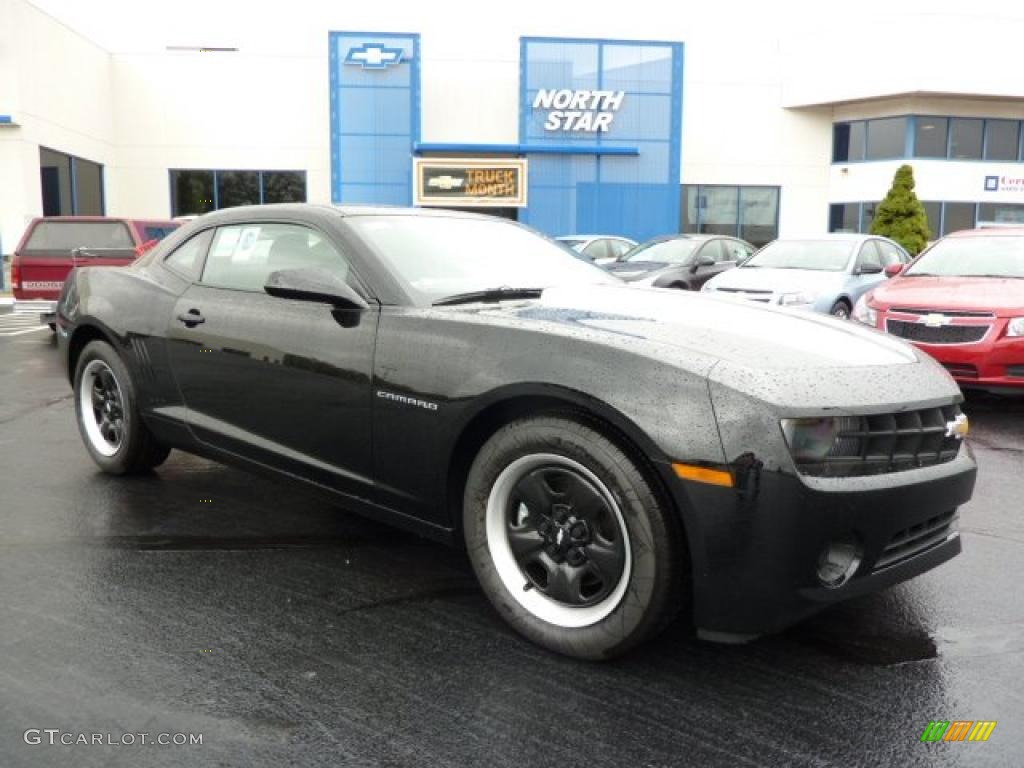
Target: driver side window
pixel 242 256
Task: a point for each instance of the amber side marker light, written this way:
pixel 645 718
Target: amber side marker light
pixel 704 475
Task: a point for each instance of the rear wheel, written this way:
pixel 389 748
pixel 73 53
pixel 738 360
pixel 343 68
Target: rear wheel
pixel 568 539
pixel 108 416
pixel 841 309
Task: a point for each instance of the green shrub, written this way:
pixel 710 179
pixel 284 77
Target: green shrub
pixel 901 216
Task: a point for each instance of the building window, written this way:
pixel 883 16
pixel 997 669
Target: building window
pixel 886 138
pixel 931 136
pixel 1002 139
pixel 934 212
pixel 965 136
pixel 953 138
pixel 195 192
pixel 848 142
pixel 70 185
pixel 844 217
pixel 750 213
pixel 943 217
pixel 1001 213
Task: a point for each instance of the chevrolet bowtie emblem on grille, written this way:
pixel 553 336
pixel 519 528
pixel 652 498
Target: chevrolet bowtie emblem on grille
pixel 373 56
pixel 935 320
pixel 446 182
pixel 958 427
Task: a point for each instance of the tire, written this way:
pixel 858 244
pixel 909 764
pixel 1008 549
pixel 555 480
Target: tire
pixel 107 414
pixel 625 586
pixel 841 309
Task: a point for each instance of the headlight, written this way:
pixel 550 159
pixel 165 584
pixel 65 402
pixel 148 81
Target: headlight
pixel 797 299
pixel 1015 327
pixel 810 439
pixel 865 313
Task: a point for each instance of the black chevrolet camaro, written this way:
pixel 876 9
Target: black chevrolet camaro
pixel 608 454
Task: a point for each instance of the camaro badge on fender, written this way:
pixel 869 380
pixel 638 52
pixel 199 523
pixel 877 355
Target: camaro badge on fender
pixel 425 404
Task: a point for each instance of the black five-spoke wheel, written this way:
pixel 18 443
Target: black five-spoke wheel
pixel 564 535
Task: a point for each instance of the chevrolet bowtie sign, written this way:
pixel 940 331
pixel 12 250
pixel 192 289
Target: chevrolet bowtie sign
pixel 469 182
pixel 374 56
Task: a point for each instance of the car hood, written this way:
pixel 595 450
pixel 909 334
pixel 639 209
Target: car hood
pixel 707 327
pixel 634 270
pixel 776 280
pixel 1005 296
pixel 805 362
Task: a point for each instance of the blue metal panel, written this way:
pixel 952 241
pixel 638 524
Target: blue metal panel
pixel 522 149
pixel 375 115
pixel 636 194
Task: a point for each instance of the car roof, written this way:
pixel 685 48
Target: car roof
pixel 243 212
pixel 842 237
pixel 591 237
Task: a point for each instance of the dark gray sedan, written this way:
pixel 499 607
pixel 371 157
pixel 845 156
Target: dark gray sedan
pixel 680 261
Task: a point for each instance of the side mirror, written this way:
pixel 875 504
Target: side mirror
pixel 703 261
pixel 869 269
pixel 314 284
pixel 894 269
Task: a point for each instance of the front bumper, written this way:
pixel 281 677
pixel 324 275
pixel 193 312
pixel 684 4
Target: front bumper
pixel 989 364
pixel 46 308
pixel 755 548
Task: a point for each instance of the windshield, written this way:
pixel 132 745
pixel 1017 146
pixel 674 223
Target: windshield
pixel 994 256
pixel 67 235
pixel 818 255
pixel 664 251
pixel 437 257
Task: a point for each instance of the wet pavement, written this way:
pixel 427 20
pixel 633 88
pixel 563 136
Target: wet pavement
pixel 203 600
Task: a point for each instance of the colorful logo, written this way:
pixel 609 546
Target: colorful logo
pixel 958 730
pixel 374 56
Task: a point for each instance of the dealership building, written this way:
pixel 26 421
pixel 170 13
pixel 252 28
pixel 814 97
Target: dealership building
pixel 638 122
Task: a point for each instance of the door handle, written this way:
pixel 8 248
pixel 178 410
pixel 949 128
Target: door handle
pixel 192 318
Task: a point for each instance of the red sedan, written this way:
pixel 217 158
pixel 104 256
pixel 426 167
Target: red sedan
pixel 962 302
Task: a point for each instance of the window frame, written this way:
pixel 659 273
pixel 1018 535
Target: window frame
pixel 354 279
pixel 739 223
pixel 216 195
pixel 910 144
pixel 201 261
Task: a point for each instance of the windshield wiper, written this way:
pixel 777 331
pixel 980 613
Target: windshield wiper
pixel 1001 277
pixel 490 294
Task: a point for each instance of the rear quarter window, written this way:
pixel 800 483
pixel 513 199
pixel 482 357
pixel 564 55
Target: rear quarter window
pixel 64 236
pixel 154 231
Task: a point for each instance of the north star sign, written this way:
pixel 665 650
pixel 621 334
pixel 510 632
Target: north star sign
pixel 589 111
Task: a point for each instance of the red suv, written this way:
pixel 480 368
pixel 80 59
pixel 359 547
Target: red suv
pixel 962 302
pixel 52 246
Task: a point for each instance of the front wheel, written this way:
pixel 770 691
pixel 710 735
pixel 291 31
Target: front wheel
pixel 841 309
pixel 107 414
pixel 570 542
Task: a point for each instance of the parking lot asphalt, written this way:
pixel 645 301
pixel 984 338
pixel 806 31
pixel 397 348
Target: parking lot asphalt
pixel 203 600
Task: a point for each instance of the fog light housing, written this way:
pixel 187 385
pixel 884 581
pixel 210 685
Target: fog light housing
pixel 839 560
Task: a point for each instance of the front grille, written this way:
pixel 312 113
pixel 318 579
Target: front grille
pixel 1015 371
pixel 888 442
pixel 943 334
pixel 917 539
pixel 946 312
pixel 751 295
pixel 962 370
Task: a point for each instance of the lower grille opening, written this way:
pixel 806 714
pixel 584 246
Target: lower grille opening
pixel 962 370
pixel 919 538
